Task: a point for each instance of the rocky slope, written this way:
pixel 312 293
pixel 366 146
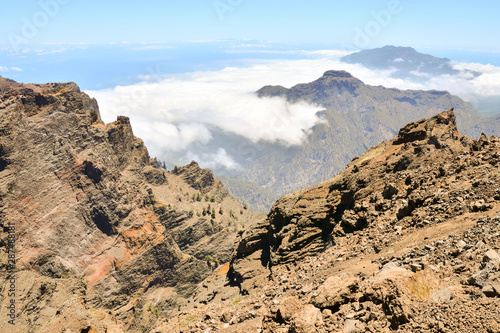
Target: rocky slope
pixel 491 125
pixel 101 233
pixel 406 238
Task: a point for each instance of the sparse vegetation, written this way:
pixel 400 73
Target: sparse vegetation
pixel 236 301
pixel 233 215
pixel 153 310
pixel 211 260
pixel 423 284
pixel 188 320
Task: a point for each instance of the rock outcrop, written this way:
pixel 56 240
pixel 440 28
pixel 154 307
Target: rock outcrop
pixel 202 180
pixel 104 239
pixel 391 182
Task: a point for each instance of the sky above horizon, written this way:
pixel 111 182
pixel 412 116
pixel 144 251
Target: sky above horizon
pixel 420 24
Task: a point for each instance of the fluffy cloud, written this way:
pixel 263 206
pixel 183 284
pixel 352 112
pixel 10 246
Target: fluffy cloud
pixel 171 112
pixel 168 136
pixel 7 69
pixel 214 161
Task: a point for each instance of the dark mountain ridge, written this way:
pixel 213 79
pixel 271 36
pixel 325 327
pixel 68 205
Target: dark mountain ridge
pixel 356 116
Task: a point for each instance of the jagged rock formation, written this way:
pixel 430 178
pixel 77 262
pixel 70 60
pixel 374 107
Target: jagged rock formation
pixel 406 238
pixel 100 231
pixel 202 180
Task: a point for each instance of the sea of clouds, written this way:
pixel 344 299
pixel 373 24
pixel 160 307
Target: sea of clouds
pixel 171 112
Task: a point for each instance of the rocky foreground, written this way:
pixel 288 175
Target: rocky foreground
pixel 405 239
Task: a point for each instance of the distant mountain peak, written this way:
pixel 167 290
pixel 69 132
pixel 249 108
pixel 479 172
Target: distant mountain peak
pixel 407 62
pixel 334 73
pixel 398 48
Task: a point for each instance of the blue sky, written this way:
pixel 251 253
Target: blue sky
pixel 421 24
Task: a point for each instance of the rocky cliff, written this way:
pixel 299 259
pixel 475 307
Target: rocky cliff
pixel 405 239
pixel 104 239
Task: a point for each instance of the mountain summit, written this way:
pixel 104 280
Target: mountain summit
pixel 354 116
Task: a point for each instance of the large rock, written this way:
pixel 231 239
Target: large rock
pixel 336 290
pixel 200 179
pixel 307 320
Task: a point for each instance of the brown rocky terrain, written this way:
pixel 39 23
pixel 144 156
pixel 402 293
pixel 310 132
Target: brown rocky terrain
pixel 105 241
pixel 406 238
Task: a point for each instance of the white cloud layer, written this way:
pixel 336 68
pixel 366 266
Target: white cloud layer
pixel 170 112
pixel 214 161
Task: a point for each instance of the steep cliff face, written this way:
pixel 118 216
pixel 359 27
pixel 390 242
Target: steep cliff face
pixel 405 238
pixel 100 231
